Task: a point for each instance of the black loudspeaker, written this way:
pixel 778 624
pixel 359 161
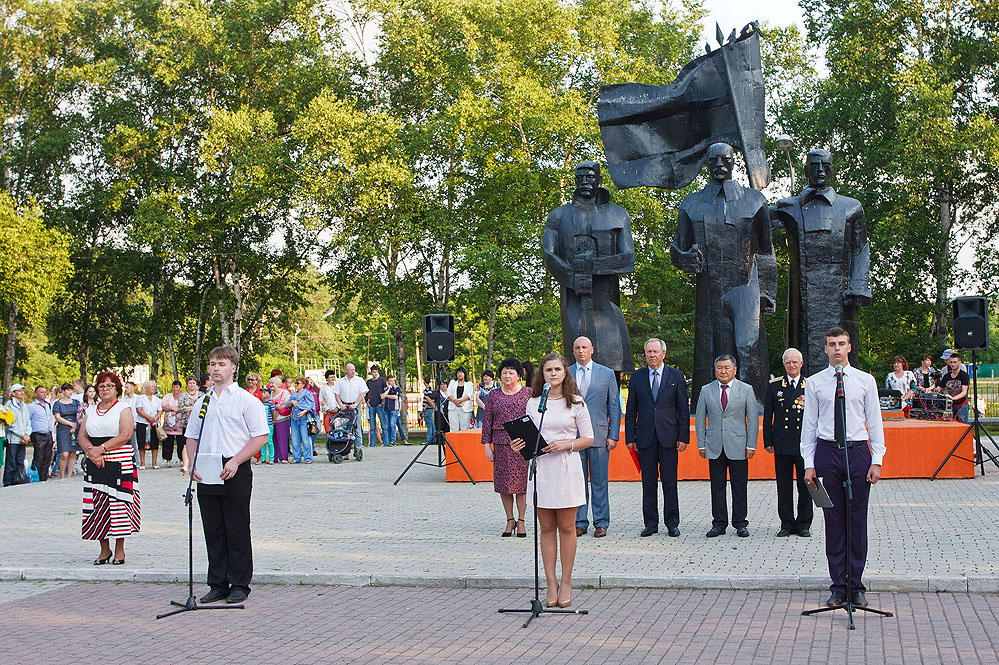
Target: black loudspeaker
pixel 971 323
pixel 438 331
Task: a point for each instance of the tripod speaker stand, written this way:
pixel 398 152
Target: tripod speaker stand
pixel 439 440
pixel 191 603
pixel 976 426
pixel 537 608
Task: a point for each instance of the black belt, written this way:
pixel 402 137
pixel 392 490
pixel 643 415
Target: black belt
pixel 833 444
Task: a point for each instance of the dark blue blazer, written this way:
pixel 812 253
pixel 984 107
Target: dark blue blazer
pixel 668 416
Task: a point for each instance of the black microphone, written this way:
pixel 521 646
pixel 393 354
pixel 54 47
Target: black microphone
pixel 543 404
pixel 204 404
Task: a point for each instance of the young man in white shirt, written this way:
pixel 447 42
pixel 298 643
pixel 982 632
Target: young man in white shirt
pixel 234 425
pixel 865 443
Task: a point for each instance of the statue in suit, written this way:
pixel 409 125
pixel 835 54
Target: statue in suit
pixel 723 237
pixel 657 425
pixel 830 263
pixel 587 245
pixel 598 385
pixel 727 423
pixel 782 413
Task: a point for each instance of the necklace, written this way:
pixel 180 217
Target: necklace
pixel 104 412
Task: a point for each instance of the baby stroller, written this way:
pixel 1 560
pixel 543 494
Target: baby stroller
pixel 343 436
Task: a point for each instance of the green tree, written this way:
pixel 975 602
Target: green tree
pixel 33 268
pixel 908 109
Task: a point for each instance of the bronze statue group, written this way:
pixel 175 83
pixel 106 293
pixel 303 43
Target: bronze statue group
pixel 724 239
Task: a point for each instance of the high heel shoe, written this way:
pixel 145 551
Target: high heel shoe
pixel 101 561
pixel 509 532
pixel 519 534
pixel 568 601
pixel 552 603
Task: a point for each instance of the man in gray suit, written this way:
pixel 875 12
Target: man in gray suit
pixel 598 386
pixel 727 424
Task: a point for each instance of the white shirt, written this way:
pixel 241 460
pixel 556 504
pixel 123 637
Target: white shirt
pixel 584 374
pixel 151 406
pixel 350 390
pixel 327 398
pixel 131 404
pixel 728 387
pixel 863 412
pixel 794 382
pixel 234 417
pixel 653 372
pixel 78 397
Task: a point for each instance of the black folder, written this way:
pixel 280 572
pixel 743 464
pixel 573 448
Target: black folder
pixel 524 428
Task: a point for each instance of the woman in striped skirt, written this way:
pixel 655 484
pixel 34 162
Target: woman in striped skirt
pixel 110 495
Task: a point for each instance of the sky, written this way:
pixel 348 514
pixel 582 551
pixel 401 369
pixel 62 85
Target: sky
pixel 731 14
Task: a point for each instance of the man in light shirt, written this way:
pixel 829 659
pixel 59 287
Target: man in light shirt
pixel 823 458
pixel 234 425
pixel 327 399
pixel 349 392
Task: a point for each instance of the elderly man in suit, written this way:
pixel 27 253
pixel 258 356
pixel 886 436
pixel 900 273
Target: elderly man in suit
pixel 598 386
pixel 657 423
pixel 727 423
pixel 782 412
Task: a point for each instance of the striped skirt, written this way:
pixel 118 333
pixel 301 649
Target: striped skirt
pixel 110 495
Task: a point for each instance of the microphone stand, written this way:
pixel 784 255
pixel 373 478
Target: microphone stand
pixel 848 485
pixel 191 603
pixel 537 608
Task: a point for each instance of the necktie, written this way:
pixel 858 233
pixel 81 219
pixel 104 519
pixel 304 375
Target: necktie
pixel 584 382
pixel 655 384
pixel 840 410
pixel 724 399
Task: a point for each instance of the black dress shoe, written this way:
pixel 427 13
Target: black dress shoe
pixel 715 532
pixel 858 599
pixel 236 596
pixel 742 532
pixel 214 595
pixel 649 530
pixel 804 533
pixel 836 599
pixel 673 531
pixel 784 533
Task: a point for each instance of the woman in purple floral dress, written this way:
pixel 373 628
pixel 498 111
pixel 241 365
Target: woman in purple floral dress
pixel 509 467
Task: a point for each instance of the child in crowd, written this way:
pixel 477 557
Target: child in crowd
pixel 267 452
pixel 390 402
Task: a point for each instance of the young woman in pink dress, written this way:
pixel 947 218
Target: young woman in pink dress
pixel 559 474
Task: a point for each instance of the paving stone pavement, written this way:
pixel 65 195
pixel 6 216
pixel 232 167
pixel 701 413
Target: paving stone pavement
pixel 287 624
pixel 348 524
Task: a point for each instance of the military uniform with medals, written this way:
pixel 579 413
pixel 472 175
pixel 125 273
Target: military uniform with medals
pixel 782 414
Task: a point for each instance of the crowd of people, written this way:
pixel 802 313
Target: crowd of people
pixel 116 431
pixel 952 382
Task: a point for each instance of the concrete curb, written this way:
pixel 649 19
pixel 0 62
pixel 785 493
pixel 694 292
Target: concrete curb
pixel 878 583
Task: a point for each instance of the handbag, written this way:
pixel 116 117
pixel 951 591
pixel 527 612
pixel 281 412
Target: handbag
pixel 313 428
pixel 161 433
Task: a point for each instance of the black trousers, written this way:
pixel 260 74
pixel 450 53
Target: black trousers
pixel 146 437
pixel 658 464
pixel 42 457
pixel 169 442
pixel 787 468
pixel 225 516
pixel 13 458
pixel 738 471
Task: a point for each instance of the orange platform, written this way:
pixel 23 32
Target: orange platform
pixel 915 450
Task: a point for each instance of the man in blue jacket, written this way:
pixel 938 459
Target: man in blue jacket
pixel 657 423
pixel 598 386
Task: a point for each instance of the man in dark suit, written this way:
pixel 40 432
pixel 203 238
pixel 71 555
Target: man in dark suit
pixel 782 409
pixel 657 422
